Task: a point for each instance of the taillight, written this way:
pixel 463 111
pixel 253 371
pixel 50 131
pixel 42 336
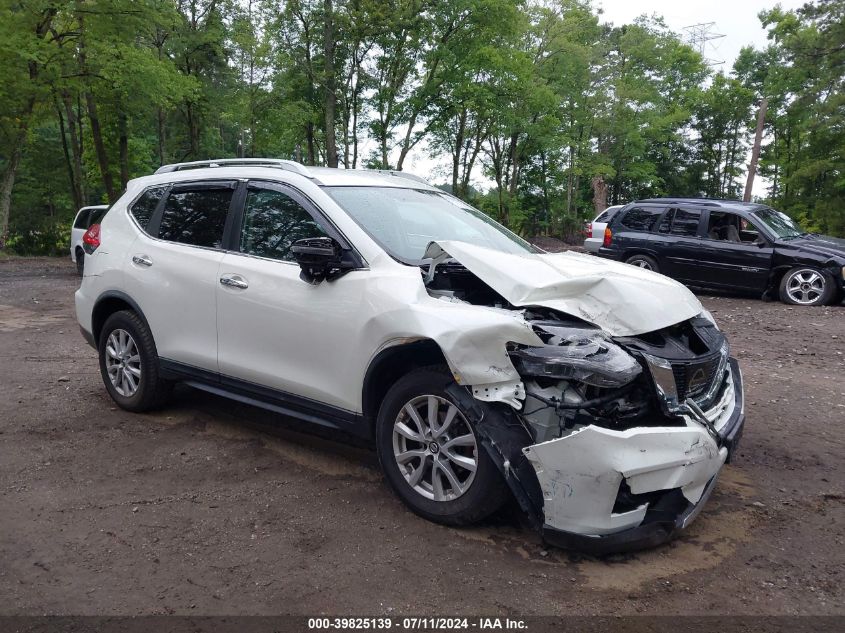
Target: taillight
pixel 91 239
pixel 607 237
pixel 588 229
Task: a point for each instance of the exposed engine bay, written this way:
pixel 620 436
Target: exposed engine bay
pixel 607 435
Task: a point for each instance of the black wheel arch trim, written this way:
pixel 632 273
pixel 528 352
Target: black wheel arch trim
pixel 121 296
pixel 408 355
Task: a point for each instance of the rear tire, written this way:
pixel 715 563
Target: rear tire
pixel 643 261
pixel 807 286
pixel 80 262
pixel 129 363
pixel 428 457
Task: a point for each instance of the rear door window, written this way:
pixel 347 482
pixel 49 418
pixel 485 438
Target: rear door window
pixel 666 222
pixel 641 218
pixel 196 216
pixel 686 222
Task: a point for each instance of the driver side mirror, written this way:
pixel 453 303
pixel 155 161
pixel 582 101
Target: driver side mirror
pixel 320 258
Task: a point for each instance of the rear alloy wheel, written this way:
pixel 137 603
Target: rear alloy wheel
pixel 129 363
pixel 643 261
pixel 432 456
pixel 806 287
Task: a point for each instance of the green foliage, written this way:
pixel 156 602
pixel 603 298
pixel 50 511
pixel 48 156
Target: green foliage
pixel 801 74
pixel 542 106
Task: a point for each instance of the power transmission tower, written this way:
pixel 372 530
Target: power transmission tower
pixel 698 36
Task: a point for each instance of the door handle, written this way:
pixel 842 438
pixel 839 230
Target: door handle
pixel 234 281
pixel 142 260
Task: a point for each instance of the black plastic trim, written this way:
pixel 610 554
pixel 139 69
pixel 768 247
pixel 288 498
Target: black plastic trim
pixel 267 398
pixel 89 338
pixel 117 294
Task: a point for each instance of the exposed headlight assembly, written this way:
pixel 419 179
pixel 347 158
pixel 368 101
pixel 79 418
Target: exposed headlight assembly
pixel 577 354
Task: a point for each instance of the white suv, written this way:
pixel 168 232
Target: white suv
pixel 600 396
pixel 85 218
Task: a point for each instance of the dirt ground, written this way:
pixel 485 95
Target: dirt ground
pixel 211 507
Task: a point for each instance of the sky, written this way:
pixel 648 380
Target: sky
pixel 735 19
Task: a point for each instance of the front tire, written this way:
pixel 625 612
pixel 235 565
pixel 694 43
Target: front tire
pixel 129 363
pixel 643 261
pixel 432 456
pixel 806 286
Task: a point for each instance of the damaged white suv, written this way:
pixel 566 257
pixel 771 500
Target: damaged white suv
pixel 601 396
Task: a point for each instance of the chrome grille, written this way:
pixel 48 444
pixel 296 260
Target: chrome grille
pixel 694 379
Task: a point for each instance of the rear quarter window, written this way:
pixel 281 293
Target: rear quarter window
pixel 82 219
pixel 606 215
pixel 144 207
pixel 641 218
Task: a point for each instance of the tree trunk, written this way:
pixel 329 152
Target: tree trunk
pixel 75 149
pixel 6 185
pixel 99 147
pixel 599 194
pixel 456 152
pixel 755 151
pixel 309 138
pixel 74 188
pixel 161 136
pixel 123 148
pixel 330 99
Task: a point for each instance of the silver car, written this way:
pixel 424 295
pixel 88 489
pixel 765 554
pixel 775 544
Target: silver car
pixel 595 229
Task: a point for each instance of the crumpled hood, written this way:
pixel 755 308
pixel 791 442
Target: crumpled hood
pixel 621 299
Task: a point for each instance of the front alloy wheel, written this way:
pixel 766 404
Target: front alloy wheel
pixel 435 448
pixel 806 287
pixel 431 453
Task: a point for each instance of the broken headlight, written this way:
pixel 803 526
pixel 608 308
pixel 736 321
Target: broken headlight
pixel 582 355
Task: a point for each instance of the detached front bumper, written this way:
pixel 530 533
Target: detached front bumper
pixel 613 491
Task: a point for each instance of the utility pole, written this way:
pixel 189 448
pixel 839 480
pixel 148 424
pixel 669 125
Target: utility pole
pixel 755 152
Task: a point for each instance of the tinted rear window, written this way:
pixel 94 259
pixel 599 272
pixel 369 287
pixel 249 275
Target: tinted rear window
pixel 145 206
pixel 607 214
pixel 82 219
pixel 195 217
pixel 686 222
pixel 97 216
pixel 641 218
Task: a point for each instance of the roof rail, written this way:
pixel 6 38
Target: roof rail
pixel 401 174
pixel 279 163
pixel 702 201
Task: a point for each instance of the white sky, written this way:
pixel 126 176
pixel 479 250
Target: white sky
pixel 735 19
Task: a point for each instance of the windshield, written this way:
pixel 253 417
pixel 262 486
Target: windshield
pixel 405 221
pixel 779 223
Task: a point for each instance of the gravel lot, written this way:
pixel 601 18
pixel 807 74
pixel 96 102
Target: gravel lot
pixel 210 507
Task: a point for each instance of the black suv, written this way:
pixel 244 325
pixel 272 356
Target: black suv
pixel 728 245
